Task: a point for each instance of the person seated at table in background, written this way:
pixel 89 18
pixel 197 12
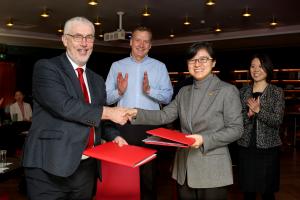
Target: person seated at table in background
pixel 259 148
pixel 210 111
pixel 20 110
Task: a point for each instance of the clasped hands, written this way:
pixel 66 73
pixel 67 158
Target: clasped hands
pixel 254 106
pixel 119 115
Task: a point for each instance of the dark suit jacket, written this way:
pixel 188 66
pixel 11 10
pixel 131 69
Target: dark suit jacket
pixel 61 117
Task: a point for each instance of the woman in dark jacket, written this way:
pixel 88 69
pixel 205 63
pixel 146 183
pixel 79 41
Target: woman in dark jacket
pixel 263 110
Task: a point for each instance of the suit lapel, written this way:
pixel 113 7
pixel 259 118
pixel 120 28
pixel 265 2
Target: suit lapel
pixel 70 73
pixel 90 81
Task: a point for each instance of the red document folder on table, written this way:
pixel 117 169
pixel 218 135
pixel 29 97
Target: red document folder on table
pixel 167 137
pixel 127 155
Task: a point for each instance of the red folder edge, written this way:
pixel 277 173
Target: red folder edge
pixel 172 135
pixel 127 155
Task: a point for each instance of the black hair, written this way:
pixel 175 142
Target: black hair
pixel 266 65
pixel 194 48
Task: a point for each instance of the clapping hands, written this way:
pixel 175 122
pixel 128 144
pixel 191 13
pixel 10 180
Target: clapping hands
pixel 254 106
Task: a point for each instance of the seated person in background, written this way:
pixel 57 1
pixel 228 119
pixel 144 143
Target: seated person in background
pixel 20 109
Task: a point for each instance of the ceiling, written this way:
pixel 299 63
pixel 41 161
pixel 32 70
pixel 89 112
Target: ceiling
pixel 166 16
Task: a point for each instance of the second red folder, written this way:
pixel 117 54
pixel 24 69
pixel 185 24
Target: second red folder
pixel 167 137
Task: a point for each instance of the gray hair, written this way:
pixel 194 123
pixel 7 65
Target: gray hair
pixel 73 20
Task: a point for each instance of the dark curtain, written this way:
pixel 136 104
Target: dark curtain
pixel 7 82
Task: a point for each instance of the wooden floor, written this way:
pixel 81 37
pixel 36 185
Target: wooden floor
pixel 289 189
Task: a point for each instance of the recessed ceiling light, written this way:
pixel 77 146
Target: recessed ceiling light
pixel 146 12
pixel 93 2
pixel 210 3
pixel 60 29
pixel 274 22
pixel 97 22
pixel 45 13
pixel 246 13
pixel 218 29
pixel 10 22
pixel 186 22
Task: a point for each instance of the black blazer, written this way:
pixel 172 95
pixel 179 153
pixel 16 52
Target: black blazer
pixel 61 117
pixel 269 118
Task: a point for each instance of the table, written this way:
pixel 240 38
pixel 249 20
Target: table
pixel 13 169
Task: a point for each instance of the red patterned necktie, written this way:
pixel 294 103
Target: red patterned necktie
pixel 87 99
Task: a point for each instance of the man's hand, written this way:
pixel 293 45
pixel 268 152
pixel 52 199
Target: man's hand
pixel 120 141
pixel 146 86
pixel 198 140
pixel 116 114
pixel 122 83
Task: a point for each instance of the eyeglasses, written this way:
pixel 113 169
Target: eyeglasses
pixel 79 38
pixel 199 60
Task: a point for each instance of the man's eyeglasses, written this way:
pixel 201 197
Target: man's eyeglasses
pixel 199 60
pixel 79 38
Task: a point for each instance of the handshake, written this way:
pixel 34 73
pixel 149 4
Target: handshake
pixel 118 114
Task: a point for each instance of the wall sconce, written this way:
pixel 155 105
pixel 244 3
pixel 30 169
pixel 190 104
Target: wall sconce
pixel 146 13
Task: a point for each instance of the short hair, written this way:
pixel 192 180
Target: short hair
pixel 142 29
pixel 84 20
pixel 194 48
pixel 266 65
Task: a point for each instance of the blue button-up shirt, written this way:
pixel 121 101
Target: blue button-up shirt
pixel 161 89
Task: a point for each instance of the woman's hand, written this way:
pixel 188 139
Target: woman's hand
pixel 198 140
pixel 131 113
pixel 254 106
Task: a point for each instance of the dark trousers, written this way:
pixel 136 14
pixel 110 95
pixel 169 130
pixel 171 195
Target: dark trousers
pixel 134 134
pixel 187 193
pixel 79 186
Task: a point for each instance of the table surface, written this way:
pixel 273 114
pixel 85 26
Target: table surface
pixel 13 166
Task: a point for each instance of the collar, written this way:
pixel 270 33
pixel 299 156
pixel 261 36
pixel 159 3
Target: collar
pixel 74 65
pixel 134 60
pixel 203 83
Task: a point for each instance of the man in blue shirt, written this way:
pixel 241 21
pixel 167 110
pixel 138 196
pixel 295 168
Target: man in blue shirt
pixel 142 82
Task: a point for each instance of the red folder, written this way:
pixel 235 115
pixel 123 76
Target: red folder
pixel 127 155
pixel 167 137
